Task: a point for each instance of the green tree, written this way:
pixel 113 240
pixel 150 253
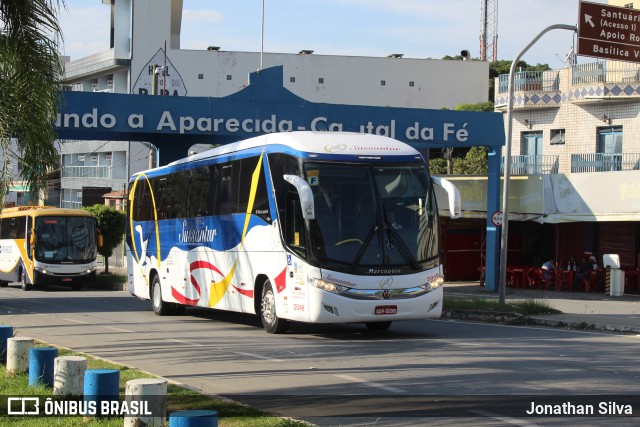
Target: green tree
pixel 475 162
pixel 112 224
pixel 30 76
pixel 470 161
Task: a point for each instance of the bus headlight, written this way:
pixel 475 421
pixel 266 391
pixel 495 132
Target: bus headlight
pixel 326 286
pixel 433 284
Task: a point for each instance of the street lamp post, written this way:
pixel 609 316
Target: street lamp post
pixel 507 161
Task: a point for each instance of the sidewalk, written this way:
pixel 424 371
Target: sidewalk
pixel 580 310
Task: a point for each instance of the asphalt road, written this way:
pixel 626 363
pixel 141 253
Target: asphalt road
pixel 323 372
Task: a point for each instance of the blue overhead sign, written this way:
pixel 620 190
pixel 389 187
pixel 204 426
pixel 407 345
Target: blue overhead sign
pixel 264 106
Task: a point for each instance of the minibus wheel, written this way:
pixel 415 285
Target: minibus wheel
pixel 23 281
pixel 270 320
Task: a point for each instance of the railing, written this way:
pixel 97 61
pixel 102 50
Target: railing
pixel 70 205
pixel 587 73
pixel 601 162
pixel 530 80
pixel 86 172
pixel 532 165
pixel 610 71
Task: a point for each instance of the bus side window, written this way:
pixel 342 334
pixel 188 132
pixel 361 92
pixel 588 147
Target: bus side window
pixel 18 227
pixel 5 228
pixel 30 236
pixel 295 235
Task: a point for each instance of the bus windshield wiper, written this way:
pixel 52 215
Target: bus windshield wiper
pixel 364 247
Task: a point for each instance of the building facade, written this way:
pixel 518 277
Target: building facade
pixel 575 170
pixel 146 59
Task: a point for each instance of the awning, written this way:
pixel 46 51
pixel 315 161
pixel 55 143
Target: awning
pixel 556 198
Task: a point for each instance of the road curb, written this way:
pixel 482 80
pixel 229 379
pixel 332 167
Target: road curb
pixel 514 319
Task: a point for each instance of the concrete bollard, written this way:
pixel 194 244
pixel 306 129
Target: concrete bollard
pixel 18 354
pixel 6 332
pixel 154 392
pixel 41 365
pixel 194 418
pixel 68 375
pixel 101 385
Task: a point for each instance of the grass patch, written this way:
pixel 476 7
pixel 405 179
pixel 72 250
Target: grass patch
pixel 230 414
pixel 526 307
pixel 106 279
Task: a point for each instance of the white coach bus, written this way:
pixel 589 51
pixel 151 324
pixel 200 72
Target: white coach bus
pixel 300 226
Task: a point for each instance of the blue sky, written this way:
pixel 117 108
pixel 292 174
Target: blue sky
pixel 416 28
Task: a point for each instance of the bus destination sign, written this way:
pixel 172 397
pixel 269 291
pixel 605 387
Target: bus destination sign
pixel 609 32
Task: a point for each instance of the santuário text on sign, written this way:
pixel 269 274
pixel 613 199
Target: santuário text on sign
pixel 185 124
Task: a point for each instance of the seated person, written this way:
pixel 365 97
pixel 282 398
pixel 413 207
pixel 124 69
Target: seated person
pixel 548 268
pixel 583 271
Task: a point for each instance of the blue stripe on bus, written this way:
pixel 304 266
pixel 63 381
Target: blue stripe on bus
pixel 220 233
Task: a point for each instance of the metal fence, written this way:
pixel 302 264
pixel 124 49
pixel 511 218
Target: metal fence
pixel 601 162
pixel 86 172
pixel 532 165
pixel 70 205
pixel 610 71
pixel 530 80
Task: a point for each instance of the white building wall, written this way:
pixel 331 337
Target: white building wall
pixel 581 120
pixel 347 79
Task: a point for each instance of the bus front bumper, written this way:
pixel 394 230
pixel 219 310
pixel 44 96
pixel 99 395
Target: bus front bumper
pixel 42 278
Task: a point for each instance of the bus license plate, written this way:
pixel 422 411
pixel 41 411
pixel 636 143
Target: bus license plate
pixel 67 279
pixel 386 309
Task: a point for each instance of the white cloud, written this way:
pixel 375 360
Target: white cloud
pixel 86 31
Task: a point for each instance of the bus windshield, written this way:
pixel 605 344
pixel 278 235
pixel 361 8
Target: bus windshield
pixel 65 239
pixel 372 216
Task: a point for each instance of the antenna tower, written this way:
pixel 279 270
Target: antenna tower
pixel 488 30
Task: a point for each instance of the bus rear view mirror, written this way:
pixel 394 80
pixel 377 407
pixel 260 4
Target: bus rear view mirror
pixel 305 193
pixel 455 202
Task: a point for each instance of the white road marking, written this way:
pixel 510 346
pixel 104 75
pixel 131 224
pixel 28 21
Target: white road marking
pixel 370 383
pixel 117 329
pixel 257 356
pixel 185 342
pixel 507 420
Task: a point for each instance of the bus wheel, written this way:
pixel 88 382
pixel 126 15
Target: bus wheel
pixel 160 307
pixel 270 320
pixel 23 281
pixel 378 326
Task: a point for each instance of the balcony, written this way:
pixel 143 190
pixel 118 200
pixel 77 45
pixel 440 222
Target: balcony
pixel 532 165
pixel 530 80
pixel 601 162
pixel 531 89
pixel 610 80
pixel 86 172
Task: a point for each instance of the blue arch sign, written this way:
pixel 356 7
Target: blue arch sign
pixel 174 123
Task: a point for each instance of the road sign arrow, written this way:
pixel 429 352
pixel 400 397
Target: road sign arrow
pixel 587 19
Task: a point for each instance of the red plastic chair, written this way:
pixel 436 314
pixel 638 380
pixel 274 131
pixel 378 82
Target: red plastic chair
pixel 537 280
pixel 589 283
